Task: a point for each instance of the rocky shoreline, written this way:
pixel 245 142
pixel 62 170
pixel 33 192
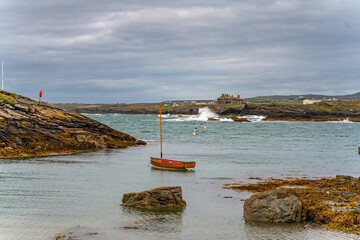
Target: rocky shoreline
pixel 323 111
pixel 334 202
pixel 29 128
pixel 338 110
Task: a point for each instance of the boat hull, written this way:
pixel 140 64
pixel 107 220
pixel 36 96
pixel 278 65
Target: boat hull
pixel 166 164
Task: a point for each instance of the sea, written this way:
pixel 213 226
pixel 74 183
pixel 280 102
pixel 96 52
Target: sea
pixel 80 194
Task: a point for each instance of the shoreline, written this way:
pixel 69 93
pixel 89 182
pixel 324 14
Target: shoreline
pixel 30 129
pixel 65 153
pixel 330 201
pixel 336 110
pixel 265 119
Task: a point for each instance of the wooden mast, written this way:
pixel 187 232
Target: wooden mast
pixel 160 134
pixel 2 75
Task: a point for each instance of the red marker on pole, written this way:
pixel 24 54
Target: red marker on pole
pixel 40 95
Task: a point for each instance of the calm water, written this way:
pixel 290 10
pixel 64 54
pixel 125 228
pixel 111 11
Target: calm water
pixel 82 193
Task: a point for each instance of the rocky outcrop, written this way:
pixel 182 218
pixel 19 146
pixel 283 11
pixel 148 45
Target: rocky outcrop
pixel 324 111
pixel 334 202
pixel 275 206
pixel 162 198
pixel 29 128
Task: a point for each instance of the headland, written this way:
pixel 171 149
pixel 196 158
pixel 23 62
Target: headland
pixel 30 128
pixel 272 110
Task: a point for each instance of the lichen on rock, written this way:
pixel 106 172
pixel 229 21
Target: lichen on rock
pixel 162 198
pixel 29 128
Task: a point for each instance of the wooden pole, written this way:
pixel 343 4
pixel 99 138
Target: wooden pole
pixel 160 134
pixel 40 95
pixel 2 75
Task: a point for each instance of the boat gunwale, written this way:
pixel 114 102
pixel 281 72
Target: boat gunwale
pixel 171 164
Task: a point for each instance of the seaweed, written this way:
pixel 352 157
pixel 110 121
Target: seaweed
pixel 334 202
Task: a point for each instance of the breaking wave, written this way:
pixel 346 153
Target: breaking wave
pixel 253 118
pixel 204 115
pixel 346 120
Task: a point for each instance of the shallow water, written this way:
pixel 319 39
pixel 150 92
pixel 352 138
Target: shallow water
pixel 82 193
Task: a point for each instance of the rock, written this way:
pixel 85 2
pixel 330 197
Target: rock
pixel 297 112
pixel 162 198
pixel 38 130
pixel 213 119
pixel 22 107
pixel 140 142
pixel 275 206
pixel 9 106
pixel 240 119
pixel 18 141
pixel 31 110
pixel 344 177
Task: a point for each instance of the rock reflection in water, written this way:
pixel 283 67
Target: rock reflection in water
pixel 78 233
pixel 154 221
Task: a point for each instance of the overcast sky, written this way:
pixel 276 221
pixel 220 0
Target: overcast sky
pixel 116 51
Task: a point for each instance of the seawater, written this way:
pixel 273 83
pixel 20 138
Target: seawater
pixel 81 193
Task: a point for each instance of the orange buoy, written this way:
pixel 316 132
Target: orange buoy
pixel 194 134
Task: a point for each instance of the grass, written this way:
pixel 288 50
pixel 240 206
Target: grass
pixel 6 99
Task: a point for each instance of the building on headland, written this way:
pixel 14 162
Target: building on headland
pixel 229 99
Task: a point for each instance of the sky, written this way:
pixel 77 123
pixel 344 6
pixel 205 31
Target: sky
pixel 130 51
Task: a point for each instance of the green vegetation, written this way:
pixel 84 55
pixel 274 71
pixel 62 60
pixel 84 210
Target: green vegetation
pixel 336 105
pixel 7 99
pixel 265 100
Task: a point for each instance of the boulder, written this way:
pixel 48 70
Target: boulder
pixel 275 206
pixel 162 198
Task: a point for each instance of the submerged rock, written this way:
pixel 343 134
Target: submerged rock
pixel 162 198
pixel 275 206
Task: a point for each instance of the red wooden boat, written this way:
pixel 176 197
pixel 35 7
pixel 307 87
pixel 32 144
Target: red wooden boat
pixel 166 164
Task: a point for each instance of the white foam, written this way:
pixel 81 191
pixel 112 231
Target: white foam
pixel 226 120
pixel 204 114
pixel 341 121
pixel 346 120
pixel 253 118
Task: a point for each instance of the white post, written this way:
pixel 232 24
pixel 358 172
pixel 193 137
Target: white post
pixel 2 75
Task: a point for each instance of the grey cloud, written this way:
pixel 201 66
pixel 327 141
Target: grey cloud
pixel 134 51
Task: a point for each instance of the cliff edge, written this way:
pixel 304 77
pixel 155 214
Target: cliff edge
pixel 29 128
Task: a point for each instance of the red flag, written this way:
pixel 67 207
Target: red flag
pixel 40 93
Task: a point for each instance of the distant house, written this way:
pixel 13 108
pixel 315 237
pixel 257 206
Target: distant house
pixel 229 99
pixel 310 101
